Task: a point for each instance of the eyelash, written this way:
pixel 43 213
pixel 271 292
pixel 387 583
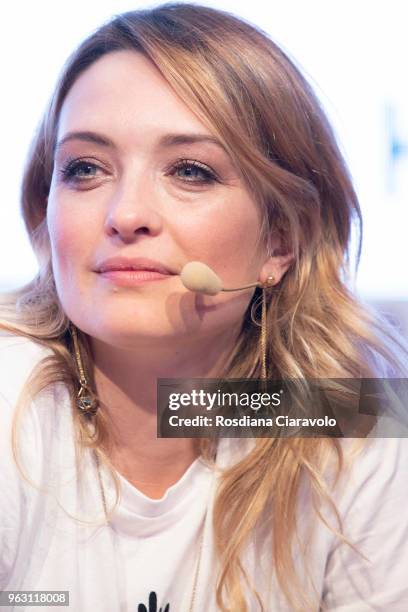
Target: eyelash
pixel 68 171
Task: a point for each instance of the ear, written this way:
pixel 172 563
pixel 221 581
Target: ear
pixel 278 259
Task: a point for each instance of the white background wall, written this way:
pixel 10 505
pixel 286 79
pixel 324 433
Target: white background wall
pixel 353 53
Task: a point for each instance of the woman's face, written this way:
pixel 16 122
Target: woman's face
pixel 128 187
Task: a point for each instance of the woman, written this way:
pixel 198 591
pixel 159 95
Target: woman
pixel 176 134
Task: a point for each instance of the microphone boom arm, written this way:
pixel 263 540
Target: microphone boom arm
pixel 244 287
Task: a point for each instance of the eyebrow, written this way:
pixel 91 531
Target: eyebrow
pixel 166 141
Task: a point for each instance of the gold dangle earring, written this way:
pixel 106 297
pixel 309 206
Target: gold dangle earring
pixel 264 329
pixel 87 401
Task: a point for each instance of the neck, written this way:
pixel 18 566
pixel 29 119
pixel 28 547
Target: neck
pixel 126 383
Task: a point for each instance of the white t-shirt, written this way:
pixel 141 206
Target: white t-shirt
pixel 150 549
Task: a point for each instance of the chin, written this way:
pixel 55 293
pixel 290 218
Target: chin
pixel 130 333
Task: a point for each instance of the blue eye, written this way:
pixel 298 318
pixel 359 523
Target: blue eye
pixel 69 172
pixel 193 166
pixel 82 171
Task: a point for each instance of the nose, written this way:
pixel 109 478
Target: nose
pixel 133 209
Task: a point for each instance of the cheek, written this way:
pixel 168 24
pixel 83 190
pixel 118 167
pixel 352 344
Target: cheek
pixel 67 237
pixel 226 238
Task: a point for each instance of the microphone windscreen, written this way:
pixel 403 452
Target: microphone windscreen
pixel 199 277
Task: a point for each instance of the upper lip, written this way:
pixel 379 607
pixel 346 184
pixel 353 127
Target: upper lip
pixel 132 263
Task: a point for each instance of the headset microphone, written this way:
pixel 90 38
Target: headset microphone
pixel 200 278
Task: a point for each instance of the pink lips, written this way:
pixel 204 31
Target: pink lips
pixel 127 271
pixel 128 278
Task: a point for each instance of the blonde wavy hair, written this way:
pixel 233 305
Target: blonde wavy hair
pixel 257 102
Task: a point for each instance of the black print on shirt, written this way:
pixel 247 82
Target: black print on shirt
pixel 152 605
